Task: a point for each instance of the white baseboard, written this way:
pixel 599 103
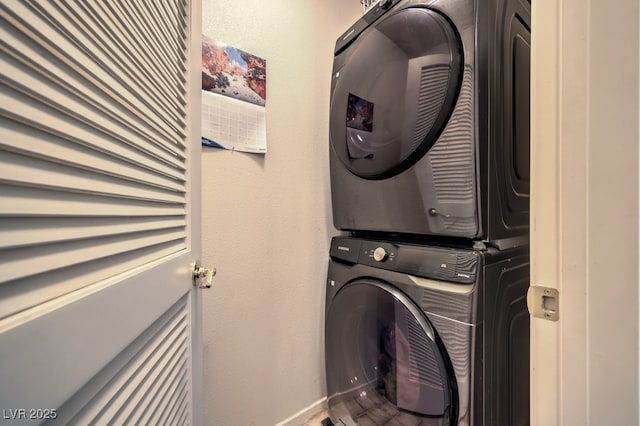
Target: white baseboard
pixel 303 415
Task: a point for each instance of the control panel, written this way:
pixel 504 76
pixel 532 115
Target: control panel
pixel 370 17
pixel 455 265
pixel 373 253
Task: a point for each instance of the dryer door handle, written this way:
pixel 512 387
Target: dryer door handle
pixel 435 213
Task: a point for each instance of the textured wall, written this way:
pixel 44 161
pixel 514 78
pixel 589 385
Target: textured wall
pixel 267 219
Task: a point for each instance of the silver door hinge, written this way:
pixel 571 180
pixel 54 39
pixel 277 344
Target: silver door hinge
pixel 543 302
pixel 203 277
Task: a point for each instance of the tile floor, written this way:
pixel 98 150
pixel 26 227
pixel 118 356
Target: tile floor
pixel 317 419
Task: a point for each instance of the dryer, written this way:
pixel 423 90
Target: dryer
pixel 429 119
pixel 426 335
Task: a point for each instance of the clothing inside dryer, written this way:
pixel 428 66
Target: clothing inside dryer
pixel 385 363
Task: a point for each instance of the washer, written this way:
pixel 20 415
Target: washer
pixel 429 119
pixel 426 335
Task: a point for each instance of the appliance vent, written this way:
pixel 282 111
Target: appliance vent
pixel 433 84
pixel 452 157
pixel 423 367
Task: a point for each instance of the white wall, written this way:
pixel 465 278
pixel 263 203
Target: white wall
pixel 585 211
pixel 267 219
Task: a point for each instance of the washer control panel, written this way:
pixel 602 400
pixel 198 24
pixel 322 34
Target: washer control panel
pixel 377 253
pixel 456 265
pixel 372 253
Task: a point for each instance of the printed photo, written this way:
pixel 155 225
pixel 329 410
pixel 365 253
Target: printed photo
pixel 232 72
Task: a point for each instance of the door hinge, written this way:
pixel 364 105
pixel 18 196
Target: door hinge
pixel 202 277
pixel 543 302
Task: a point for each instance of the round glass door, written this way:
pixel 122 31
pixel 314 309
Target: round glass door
pixel 393 96
pixel 385 362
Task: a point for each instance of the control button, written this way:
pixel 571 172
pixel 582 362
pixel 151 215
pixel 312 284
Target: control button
pixel 379 254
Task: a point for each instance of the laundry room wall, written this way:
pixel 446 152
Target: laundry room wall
pixel 267 219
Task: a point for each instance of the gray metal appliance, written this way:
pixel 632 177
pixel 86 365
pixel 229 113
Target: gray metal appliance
pixel 429 119
pixel 426 335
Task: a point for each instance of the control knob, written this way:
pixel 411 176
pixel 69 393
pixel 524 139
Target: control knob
pixel 380 254
pixel 385 4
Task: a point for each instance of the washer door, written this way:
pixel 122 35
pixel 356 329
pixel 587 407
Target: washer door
pixel 385 363
pixel 393 96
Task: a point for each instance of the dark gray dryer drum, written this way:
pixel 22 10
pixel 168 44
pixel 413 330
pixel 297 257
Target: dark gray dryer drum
pixel 393 97
pixel 385 362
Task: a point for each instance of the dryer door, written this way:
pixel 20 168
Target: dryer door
pixel 393 91
pixel 385 362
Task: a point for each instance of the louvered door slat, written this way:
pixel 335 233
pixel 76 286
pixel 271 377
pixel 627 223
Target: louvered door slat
pixel 92 143
pixel 37 120
pixel 121 392
pixel 177 413
pixel 154 375
pixel 16 98
pixel 181 30
pixel 20 201
pixel 32 142
pixel 164 51
pixel 100 50
pixel 41 259
pixel 172 396
pixel 140 44
pixel 43 172
pixel 149 402
pixel 175 49
pixel 22 232
pixel 121 62
pixel 132 398
pixel 96 73
pixel 170 8
pixel 21 294
pixel 148 14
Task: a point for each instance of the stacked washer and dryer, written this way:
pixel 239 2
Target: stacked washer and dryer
pixel 426 319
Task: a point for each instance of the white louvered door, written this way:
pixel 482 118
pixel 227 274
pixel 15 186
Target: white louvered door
pixel 99 211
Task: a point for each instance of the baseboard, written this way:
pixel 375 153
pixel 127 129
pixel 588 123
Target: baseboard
pixel 303 415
